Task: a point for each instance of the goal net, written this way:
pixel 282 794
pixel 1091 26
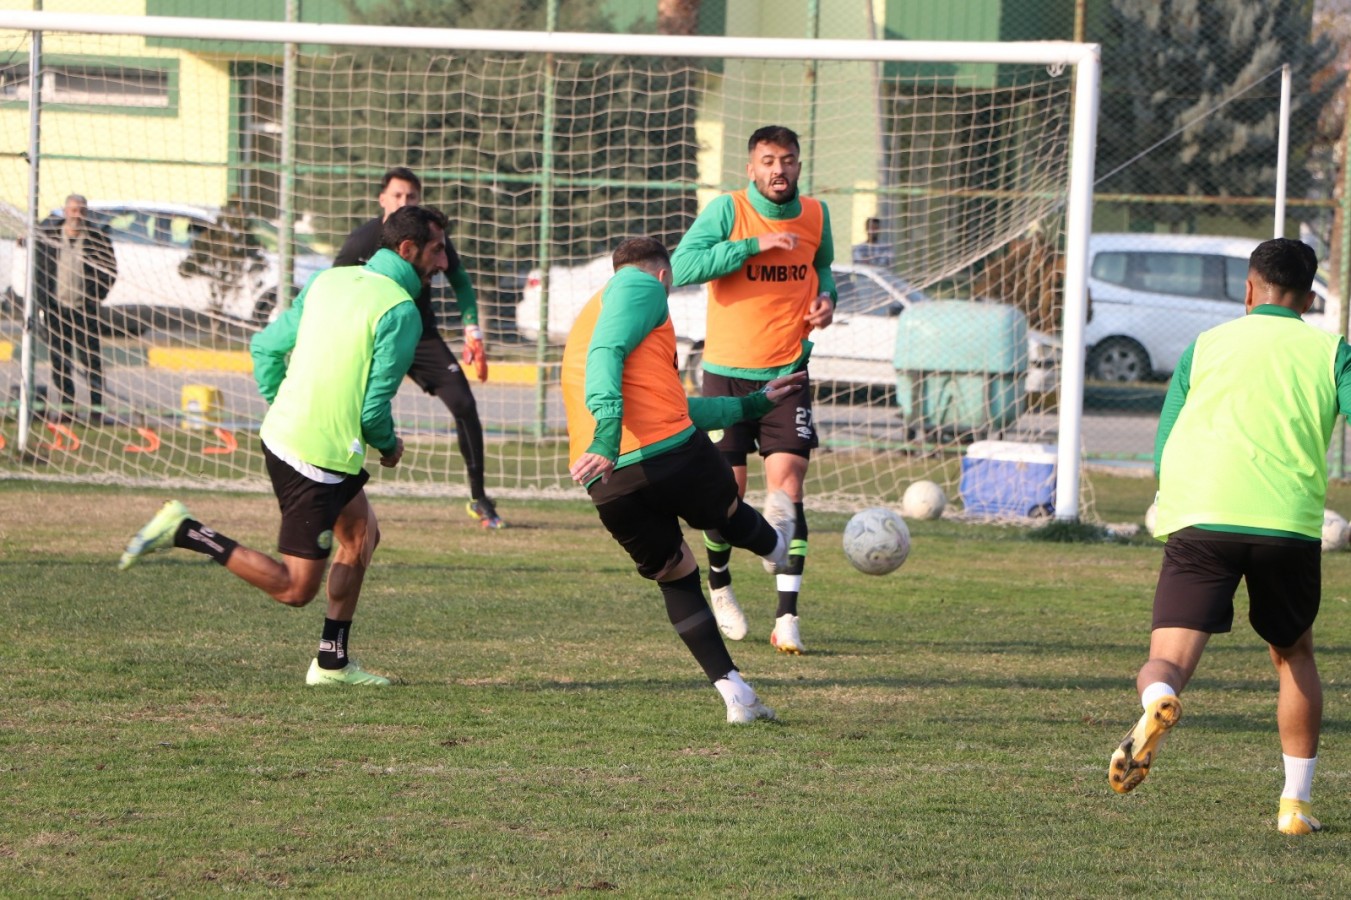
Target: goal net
pixel 226 162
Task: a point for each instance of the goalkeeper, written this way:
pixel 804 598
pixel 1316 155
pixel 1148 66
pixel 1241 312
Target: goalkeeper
pixel 435 368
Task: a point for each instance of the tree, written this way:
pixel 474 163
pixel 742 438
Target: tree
pixel 1186 64
pixel 622 160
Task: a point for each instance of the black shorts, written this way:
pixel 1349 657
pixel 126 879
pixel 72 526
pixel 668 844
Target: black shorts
pixel 787 428
pixel 309 509
pixel 642 504
pixel 435 366
pixel 1200 574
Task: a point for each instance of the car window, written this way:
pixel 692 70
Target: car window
pixel 1235 278
pixel 859 294
pixel 178 231
pixel 128 225
pixel 1110 266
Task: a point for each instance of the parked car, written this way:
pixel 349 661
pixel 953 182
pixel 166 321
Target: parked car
pixel 1154 293
pixel 170 265
pixel 857 349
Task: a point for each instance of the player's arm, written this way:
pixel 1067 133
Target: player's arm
pixel 396 337
pixel 705 252
pixel 1343 369
pixel 713 413
pixel 825 256
pixel 358 248
pixel 1178 386
pixel 623 323
pixel 475 353
pixel 271 347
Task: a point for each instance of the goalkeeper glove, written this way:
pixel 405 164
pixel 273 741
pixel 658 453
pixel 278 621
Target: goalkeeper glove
pixel 474 353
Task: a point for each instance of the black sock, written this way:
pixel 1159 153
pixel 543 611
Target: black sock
pixel 333 644
pixel 693 620
pixel 747 529
pixel 193 535
pixel 797 561
pixel 719 555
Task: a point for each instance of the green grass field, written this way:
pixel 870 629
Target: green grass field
pixel 948 734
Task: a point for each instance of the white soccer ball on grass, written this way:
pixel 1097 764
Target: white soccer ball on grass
pixel 1336 531
pixel 876 541
pixel 923 500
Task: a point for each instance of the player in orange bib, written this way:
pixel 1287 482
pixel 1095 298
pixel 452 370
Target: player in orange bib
pixel 765 252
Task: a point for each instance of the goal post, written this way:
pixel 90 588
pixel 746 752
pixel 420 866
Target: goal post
pixel 975 159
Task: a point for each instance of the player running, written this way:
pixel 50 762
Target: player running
pixel 330 367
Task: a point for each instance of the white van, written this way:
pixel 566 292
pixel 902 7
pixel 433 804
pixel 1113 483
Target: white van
pixel 1152 294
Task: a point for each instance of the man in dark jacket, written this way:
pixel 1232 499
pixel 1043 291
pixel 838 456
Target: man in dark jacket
pixel 76 267
pixel 435 368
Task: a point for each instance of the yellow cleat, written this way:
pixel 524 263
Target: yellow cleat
pixel 1131 761
pixel 1294 818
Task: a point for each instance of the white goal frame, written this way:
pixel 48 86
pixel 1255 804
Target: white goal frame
pixel 1084 58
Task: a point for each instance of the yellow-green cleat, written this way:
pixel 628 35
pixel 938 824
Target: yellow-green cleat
pixel 1295 818
pixel 352 673
pixel 1131 761
pixel 157 534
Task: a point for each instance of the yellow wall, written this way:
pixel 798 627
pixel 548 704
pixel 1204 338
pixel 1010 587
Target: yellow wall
pixel 115 154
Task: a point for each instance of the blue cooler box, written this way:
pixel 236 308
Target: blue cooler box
pixel 1005 478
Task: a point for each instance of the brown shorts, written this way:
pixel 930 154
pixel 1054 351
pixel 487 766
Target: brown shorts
pixel 787 428
pixel 1200 575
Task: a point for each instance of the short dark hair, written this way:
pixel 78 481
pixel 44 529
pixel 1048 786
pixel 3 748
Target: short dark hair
pixel 1288 264
pixel 639 250
pixel 403 173
pixel 777 135
pixel 411 223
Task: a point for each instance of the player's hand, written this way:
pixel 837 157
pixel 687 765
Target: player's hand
pixel 778 240
pixel 589 466
pixel 475 356
pixel 784 386
pixel 821 313
pixel 392 460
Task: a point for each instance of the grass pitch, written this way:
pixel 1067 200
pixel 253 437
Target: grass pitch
pixel 947 734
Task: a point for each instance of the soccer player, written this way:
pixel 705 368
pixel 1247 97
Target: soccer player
pixel 330 367
pixel 638 445
pixel 766 253
pixel 1241 456
pixel 435 368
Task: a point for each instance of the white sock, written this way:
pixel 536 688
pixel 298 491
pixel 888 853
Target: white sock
pixel 1298 777
pixel 1154 692
pixel 778 548
pixel 732 687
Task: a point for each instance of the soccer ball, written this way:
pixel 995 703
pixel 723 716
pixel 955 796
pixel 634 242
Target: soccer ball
pixel 876 541
pixel 1335 530
pixel 923 500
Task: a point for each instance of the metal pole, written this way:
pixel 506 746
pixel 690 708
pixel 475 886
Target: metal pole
pixel 26 365
pixel 1338 467
pixel 1282 152
pixel 546 201
pixel 286 212
pixel 1078 224
pixel 813 32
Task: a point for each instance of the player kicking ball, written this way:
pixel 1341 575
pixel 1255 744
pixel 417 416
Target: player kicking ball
pixel 638 445
pixel 329 367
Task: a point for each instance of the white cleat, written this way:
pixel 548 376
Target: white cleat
pixel 785 637
pixel 731 620
pixel 745 714
pixel 782 517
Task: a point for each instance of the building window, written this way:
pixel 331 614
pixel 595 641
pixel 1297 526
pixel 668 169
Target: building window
pixel 112 86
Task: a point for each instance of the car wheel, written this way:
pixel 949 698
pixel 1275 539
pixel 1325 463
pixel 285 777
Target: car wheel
pixel 694 370
pixel 1119 360
pixel 263 308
